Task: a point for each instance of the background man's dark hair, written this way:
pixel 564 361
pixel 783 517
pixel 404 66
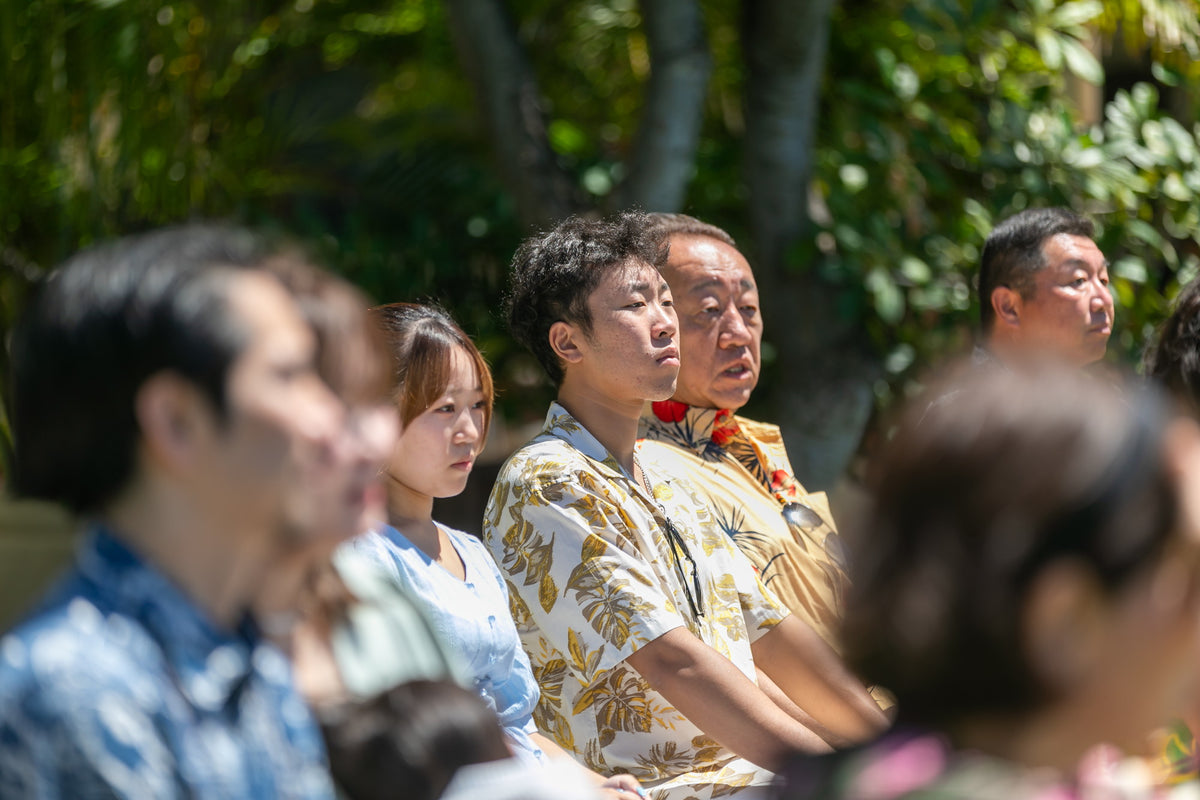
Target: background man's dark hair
pixel 1174 360
pixel 96 329
pixel 553 275
pixel 668 225
pixel 1013 253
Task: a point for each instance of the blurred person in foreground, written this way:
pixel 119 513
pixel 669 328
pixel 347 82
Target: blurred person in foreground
pixel 165 387
pixel 1032 592
pixel 1043 290
pixel 738 466
pixel 365 655
pixel 1173 362
pixel 349 630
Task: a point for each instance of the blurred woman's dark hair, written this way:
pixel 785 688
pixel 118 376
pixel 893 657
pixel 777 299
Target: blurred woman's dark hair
pixel 975 496
pixel 1174 359
pixel 408 741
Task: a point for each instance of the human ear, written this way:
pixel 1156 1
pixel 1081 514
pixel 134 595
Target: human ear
pixel 564 341
pixel 170 414
pixel 1007 305
pixel 1063 620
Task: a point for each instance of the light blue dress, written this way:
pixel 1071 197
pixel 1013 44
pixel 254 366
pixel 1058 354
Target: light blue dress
pixel 473 617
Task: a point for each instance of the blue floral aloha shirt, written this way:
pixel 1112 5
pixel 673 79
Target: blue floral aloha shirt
pixel 118 686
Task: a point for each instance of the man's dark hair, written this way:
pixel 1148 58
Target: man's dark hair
pixel 1013 253
pixel 553 275
pixel 1174 360
pixel 669 225
pixel 95 330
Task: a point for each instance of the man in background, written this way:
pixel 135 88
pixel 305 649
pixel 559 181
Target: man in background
pixel 1043 289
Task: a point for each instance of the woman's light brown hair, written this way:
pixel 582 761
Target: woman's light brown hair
pixel 422 340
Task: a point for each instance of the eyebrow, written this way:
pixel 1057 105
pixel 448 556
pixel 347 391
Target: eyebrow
pixel 1079 263
pixel 705 285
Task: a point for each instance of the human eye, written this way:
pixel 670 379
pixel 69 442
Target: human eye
pixel 635 304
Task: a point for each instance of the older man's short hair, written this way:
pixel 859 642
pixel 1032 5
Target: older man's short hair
pixel 668 225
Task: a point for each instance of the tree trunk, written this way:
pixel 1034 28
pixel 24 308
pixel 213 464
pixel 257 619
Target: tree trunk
pixel 664 152
pixel 507 92
pixel 823 396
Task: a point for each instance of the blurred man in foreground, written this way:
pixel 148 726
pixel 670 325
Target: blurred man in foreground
pixel 164 386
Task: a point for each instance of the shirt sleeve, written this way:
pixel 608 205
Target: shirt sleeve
pixel 576 573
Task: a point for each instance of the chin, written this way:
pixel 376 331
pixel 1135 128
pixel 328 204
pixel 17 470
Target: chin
pixel 660 392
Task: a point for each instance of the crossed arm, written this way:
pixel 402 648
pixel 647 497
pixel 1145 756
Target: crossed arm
pixel 720 700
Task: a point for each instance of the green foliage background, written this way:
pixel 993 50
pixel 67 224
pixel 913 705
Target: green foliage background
pixel 349 123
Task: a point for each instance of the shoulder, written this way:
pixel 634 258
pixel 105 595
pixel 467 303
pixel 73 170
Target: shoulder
pixel 465 542
pixel 761 431
pixel 73 656
pixel 546 459
pixel 548 471
pixel 668 459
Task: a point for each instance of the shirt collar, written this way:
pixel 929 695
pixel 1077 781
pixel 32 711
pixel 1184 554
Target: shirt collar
pixel 210 664
pixel 560 424
pixel 691 426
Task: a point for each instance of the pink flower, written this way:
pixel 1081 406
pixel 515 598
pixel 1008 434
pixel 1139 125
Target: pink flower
pixel 909 766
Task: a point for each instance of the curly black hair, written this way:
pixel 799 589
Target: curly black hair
pixel 553 274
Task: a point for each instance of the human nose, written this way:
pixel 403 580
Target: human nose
pixel 667 321
pixel 468 428
pixel 734 330
pixel 322 425
pixel 1102 299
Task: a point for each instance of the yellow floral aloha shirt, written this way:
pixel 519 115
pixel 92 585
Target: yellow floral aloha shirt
pixel 740 469
pixel 593 576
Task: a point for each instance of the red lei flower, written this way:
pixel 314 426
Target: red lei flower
pixel 725 427
pixel 669 410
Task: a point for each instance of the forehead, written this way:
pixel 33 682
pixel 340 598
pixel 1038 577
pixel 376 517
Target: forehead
pixel 267 314
pixel 1065 251
pixel 461 372
pixel 699 264
pixel 633 275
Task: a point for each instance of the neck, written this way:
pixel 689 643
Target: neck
pixel 218 563
pixel 612 421
pixel 1057 738
pixel 411 513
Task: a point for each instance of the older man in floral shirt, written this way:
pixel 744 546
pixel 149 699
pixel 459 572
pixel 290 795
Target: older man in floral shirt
pixel 738 466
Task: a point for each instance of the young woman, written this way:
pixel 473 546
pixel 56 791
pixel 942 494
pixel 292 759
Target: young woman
pixel 443 394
